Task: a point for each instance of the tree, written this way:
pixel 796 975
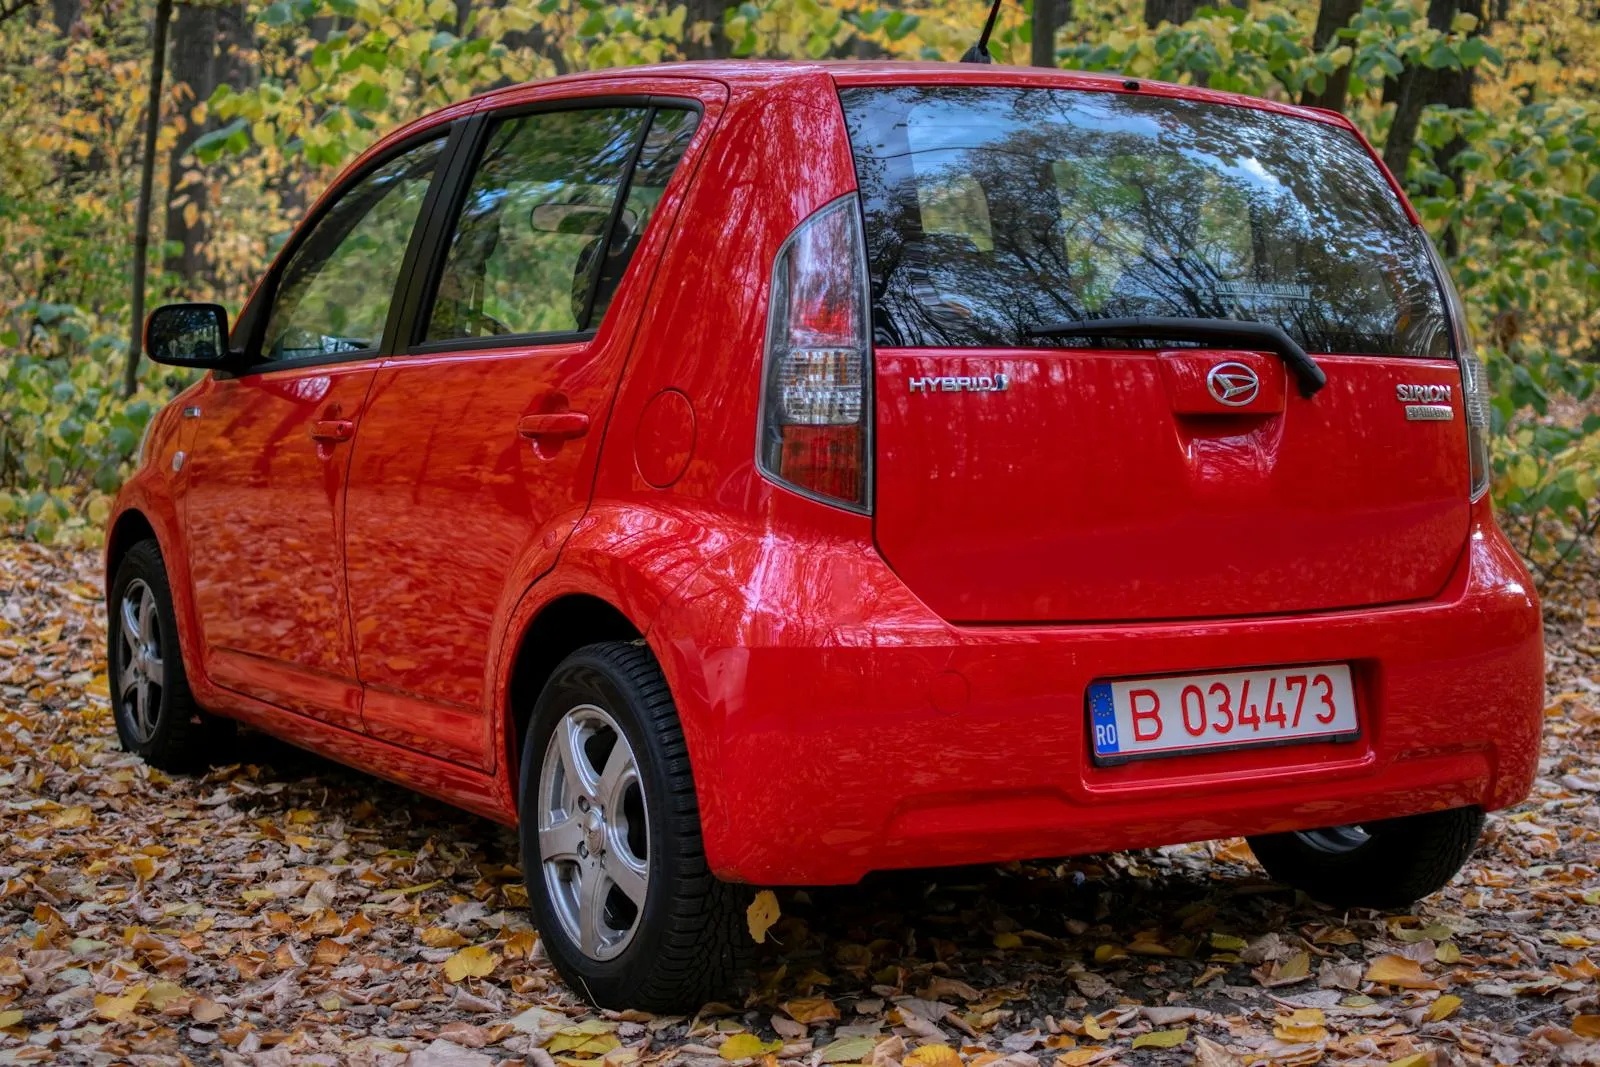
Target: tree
pixel 147 177
pixel 1176 12
pixel 1048 17
pixel 206 43
pixel 1419 86
pixel 707 13
pixel 1332 16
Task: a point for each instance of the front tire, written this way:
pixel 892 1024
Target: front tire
pixel 155 711
pixel 629 912
pixel 1390 863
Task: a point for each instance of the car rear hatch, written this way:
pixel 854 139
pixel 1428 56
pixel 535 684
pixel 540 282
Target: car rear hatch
pixel 1023 477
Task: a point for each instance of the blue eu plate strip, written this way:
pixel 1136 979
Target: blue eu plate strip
pixel 1103 719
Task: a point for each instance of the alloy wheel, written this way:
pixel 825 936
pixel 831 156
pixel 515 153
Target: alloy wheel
pixel 1336 840
pixel 594 839
pixel 141 674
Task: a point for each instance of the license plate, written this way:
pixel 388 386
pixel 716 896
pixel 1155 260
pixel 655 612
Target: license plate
pixel 1139 717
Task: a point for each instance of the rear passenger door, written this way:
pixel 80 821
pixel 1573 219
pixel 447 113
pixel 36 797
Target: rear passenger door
pixel 478 447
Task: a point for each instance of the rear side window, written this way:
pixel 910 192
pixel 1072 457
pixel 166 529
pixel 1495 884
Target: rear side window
pixel 992 209
pixel 554 213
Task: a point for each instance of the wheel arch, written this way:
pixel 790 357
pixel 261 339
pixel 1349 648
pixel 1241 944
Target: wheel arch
pixel 131 527
pixel 559 628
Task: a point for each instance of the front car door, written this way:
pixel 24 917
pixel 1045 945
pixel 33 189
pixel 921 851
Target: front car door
pixel 479 443
pixel 265 504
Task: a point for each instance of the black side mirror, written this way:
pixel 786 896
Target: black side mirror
pixel 188 335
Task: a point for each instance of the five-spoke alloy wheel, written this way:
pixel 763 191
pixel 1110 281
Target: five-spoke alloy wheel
pixel 140 675
pixel 594 838
pixel 616 870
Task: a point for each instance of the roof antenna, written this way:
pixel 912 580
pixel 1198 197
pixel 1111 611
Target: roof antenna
pixel 979 53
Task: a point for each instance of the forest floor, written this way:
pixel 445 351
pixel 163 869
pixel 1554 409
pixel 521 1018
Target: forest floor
pixel 286 910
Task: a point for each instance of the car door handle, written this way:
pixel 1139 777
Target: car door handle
pixel 332 430
pixel 556 424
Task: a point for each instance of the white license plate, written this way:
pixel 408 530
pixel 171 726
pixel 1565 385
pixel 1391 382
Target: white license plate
pixel 1138 717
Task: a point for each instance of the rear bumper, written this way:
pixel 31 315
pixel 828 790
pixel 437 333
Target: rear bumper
pixel 836 726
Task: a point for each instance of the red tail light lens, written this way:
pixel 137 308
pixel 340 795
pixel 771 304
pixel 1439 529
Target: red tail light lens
pixel 816 372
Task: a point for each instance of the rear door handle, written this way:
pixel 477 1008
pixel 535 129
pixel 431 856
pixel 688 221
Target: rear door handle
pixel 560 425
pixel 332 430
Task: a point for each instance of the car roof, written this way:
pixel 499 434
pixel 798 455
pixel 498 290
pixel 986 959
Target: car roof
pixel 754 73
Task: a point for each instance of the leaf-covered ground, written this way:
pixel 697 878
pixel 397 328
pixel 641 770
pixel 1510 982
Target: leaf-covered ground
pixel 290 911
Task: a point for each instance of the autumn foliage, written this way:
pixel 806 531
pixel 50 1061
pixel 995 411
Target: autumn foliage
pixel 1489 110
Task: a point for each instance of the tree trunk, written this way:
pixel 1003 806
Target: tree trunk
pixel 1418 87
pixel 1333 16
pixel 206 52
pixel 147 178
pixel 716 45
pixel 1176 12
pixel 1048 17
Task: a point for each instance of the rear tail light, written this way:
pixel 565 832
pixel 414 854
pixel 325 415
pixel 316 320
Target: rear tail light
pixel 1474 379
pixel 816 412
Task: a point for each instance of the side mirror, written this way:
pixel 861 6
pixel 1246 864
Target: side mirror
pixel 188 335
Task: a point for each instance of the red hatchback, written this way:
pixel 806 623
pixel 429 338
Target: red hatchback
pixel 746 473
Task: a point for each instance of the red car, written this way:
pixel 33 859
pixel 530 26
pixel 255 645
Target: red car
pixel 759 473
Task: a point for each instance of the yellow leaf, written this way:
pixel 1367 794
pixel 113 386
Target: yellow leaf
pixel 761 914
pixel 442 937
pixel 1079 1056
pixel 1416 1059
pixel 746 1047
pixel 78 815
pixel 1400 971
pixel 1092 1027
pixel 9 1019
pixel 475 961
pixel 1443 1008
pixel 161 994
pixel 1302 1026
pixel 1162 1038
pixel 113 1008
pixel 810 1009
pixel 1227 942
pixel 1448 953
pixel 847 1049
pixel 1007 940
pixel 932 1056
pixel 1586 1026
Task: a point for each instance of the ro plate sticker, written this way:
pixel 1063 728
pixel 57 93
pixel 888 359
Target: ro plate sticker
pixel 1103 717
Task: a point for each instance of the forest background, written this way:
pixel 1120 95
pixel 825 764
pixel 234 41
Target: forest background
pixel 1488 110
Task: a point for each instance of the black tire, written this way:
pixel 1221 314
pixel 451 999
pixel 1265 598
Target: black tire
pixel 1391 863
pixel 688 942
pixel 176 734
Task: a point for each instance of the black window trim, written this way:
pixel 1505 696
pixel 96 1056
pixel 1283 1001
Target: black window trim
pixel 252 321
pixel 417 304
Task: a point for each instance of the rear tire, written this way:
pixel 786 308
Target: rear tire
pixel 155 711
pixel 626 907
pixel 1390 863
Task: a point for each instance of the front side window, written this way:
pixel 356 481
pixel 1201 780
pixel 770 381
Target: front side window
pixel 334 294
pixel 526 253
pixel 991 210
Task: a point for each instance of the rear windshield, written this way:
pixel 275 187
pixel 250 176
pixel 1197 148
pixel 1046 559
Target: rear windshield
pixel 991 209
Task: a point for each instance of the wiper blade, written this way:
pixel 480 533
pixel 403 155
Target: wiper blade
pixel 1236 331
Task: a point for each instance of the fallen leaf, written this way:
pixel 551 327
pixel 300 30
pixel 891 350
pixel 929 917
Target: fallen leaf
pixel 846 1049
pixel 1399 971
pixel 1443 1008
pixel 9 1019
pixel 1586 1026
pixel 932 1056
pixel 1301 1026
pixel 761 914
pixel 749 1046
pixel 115 1007
pixel 1162 1038
pixel 1092 1027
pixel 475 961
pixel 810 1010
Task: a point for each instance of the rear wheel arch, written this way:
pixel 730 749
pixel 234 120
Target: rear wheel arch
pixel 558 629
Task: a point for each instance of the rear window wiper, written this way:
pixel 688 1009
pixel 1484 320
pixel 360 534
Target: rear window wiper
pixel 1156 328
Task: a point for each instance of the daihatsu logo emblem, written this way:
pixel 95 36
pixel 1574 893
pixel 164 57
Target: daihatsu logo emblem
pixel 1233 384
